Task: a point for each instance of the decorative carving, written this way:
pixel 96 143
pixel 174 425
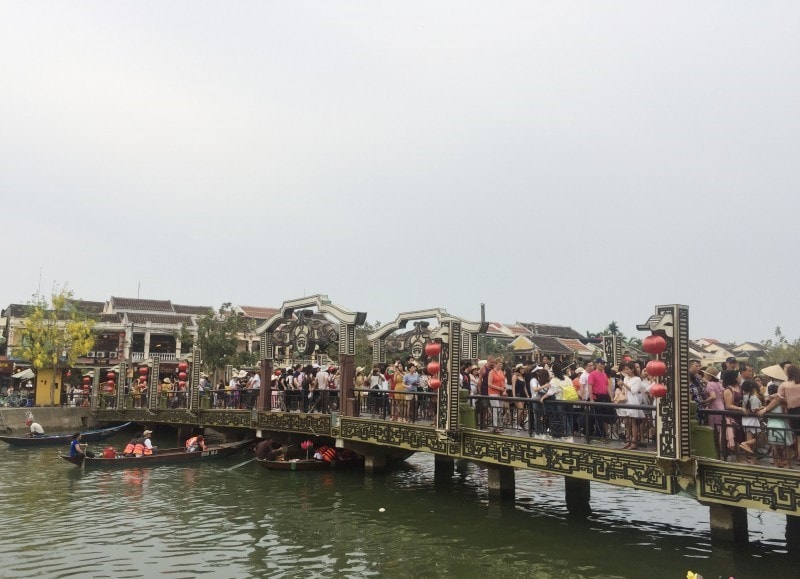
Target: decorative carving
pixel 745 486
pixel 318 424
pixel 393 434
pixel 615 467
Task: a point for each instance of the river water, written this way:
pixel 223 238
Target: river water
pixel 228 519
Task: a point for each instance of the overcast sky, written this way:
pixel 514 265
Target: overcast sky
pixel 562 162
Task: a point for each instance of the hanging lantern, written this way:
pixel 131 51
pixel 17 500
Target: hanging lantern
pixel 143 371
pixel 654 344
pixel 110 376
pixel 109 386
pixel 435 384
pixel 626 359
pixel 183 366
pixel 87 380
pixel 69 373
pixel 433 349
pixel 656 368
pixel 182 375
pixel 182 385
pixel 658 390
pixel 433 368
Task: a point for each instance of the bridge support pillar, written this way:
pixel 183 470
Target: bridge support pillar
pixel 374 463
pixel 502 482
pixel 577 492
pixel 793 535
pixel 444 467
pixel 728 524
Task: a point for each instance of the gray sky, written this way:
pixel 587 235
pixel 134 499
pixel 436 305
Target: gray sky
pixel 563 162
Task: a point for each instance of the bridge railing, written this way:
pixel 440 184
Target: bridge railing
pixel 415 407
pixel 749 438
pixel 579 421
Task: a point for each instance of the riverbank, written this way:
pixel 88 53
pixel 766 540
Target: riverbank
pixel 53 419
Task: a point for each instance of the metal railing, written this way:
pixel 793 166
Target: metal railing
pixel 413 407
pixel 163 356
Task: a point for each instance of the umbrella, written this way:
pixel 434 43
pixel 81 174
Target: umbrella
pixel 774 372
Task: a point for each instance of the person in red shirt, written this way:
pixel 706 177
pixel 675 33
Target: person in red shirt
pixel 598 390
pixel 497 388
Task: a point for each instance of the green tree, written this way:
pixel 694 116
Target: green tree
pixel 55 334
pixel 218 337
pixel 780 349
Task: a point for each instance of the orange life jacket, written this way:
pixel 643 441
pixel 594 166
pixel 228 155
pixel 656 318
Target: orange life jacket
pixel 138 448
pixel 148 451
pixel 329 455
pixel 129 448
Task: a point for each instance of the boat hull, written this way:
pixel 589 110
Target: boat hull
pixel 55 439
pixel 166 456
pixel 307 464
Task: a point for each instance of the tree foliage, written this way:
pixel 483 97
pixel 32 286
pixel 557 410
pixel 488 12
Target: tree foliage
pixel 55 333
pixel 218 337
pixel 781 349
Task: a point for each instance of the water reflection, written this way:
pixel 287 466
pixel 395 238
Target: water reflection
pixel 207 520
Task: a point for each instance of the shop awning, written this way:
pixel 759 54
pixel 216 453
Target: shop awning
pixel 26 374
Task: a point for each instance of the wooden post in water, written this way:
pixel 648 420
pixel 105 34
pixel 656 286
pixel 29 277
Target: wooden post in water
pixel 728 524
pixel 374 463
pixel 578 494
pixel 502 482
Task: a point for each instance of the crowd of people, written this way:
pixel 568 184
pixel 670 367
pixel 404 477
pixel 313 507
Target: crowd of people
pixel 306 388
pixel 746 410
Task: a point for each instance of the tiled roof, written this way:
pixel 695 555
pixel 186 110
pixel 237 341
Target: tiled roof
pixel 549 345
pixel 89 307
pixel 577 346
pixel 140 305
pixel 193 310
pixel 518 329
pixel 551 330
pixel 111 318
pixel 259 313
pixel 159 319
pixel 15 311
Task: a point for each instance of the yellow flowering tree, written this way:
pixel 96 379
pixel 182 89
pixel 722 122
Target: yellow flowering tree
pixel 55 334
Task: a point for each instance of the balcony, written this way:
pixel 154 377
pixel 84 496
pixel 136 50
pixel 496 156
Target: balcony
pixel 162 356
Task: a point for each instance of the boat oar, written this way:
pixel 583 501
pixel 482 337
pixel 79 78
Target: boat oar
pixel 242 464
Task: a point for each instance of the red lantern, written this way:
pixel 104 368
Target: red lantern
pixel 658 390
pixel 182 385
pixel 433 368
pixel 182 376
pixel 109 386
pixel 86 388
pixel 110 375
pixel 183 366
pixel 654 344
pixel 656 368
pixel 143 371
pixel 433 349
pixel 626 358
pixel 435 384
pixel 69 373
pixel 87 380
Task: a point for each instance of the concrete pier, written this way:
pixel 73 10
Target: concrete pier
pixel 578 494
pixel 728 524
pixel 502 482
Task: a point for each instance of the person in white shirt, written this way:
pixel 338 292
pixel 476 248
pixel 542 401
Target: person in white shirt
pixel 584 393
pixel 36 428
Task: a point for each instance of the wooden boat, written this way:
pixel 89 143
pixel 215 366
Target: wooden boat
pixel 307 464
pixel 162 456
pixel 53 439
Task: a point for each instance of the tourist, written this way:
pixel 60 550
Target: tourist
pixel 398 387
pixel 555 408
pixel 598 382
pixel 411 381
pixel 268 449
pixel 732 396
pixel 779 435
pixel 632 384
pixel 789 395
pixel 713 400
pixel 194 443
pixel 695 383
pixel 520 390
pixel 149 449
pixel 474 382
pixel 497 388
pixel 751 424
pixel 135 446
pixel 539 385
pixel 35 428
